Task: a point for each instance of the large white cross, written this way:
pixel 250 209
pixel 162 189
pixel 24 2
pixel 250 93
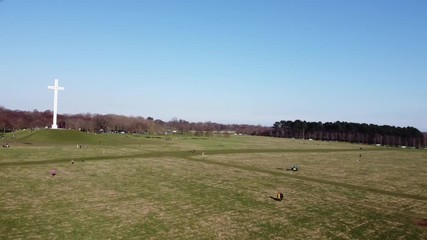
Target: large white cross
pixel 55 102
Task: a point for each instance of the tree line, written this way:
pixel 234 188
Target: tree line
pixel 11 120
pixel 350 132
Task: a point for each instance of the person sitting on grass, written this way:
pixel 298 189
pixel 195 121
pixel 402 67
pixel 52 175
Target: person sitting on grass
pixel 280 196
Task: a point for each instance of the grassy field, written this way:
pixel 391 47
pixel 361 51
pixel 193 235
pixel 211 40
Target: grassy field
pixel 125 186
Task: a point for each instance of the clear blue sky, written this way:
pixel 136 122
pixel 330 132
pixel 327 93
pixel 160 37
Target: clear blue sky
pixel 225 61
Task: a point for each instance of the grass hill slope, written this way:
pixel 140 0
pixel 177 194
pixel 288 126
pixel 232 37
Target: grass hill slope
pixel 58 137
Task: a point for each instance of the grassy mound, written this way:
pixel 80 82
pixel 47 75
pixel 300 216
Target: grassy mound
pixel 49 136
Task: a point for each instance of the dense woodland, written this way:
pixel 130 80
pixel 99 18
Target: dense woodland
pixel 11 120
pixel 351 132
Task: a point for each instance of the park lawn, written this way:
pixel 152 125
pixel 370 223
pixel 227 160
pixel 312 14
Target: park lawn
pixel 162 189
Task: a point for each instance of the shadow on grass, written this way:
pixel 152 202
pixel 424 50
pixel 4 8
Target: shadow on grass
pixel 275 198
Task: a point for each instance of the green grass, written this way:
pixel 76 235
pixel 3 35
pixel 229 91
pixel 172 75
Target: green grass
pixel 139 187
